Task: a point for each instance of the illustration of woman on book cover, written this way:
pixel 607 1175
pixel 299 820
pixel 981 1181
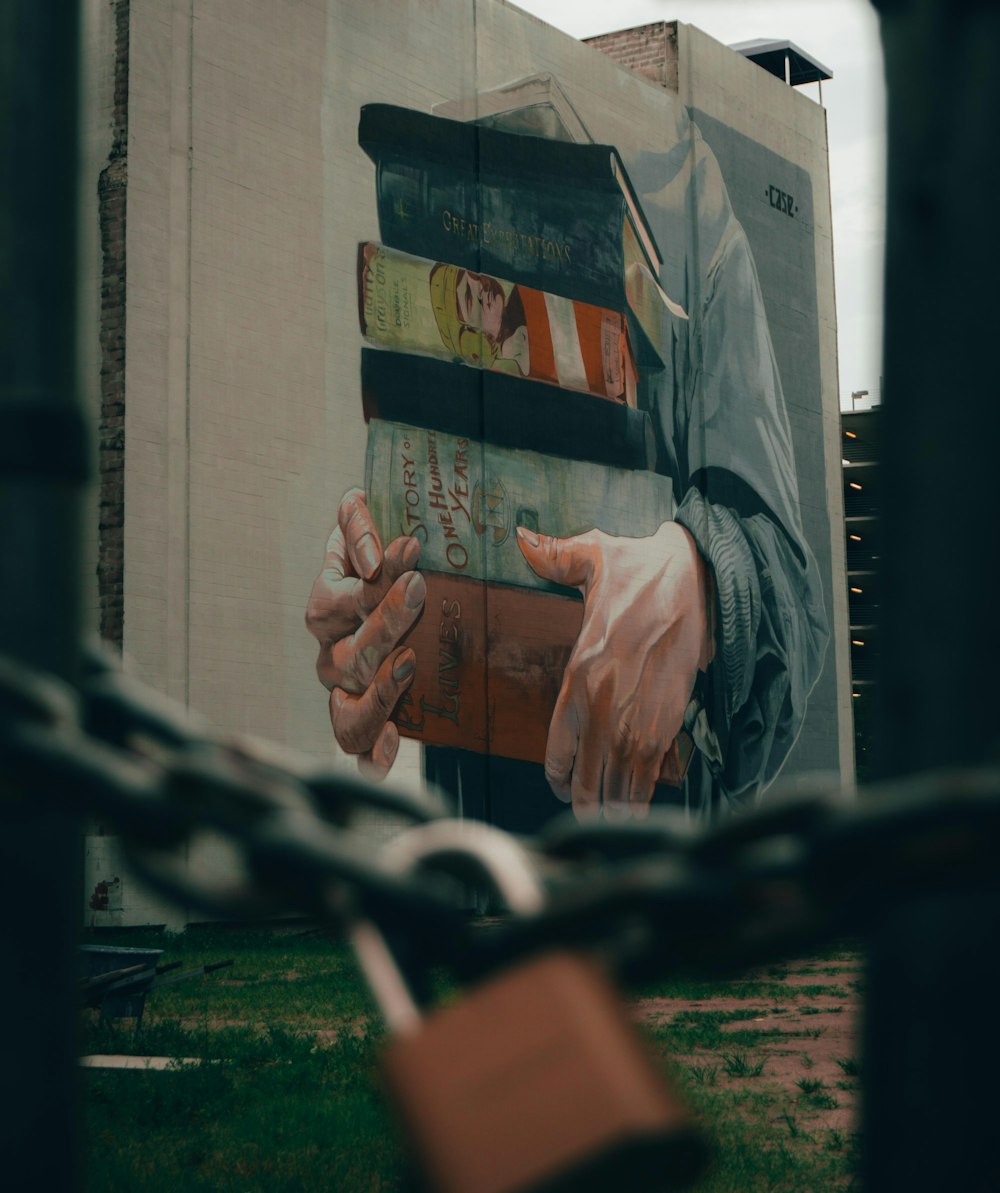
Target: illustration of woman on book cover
pixel 710 625
pixel 409 304
pixel 479 319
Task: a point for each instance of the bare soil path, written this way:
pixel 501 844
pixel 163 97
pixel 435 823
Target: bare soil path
pixel 800 1043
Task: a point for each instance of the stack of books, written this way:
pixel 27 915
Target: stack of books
pixel 512 312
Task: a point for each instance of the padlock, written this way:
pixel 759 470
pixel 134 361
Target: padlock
pixel 536 1079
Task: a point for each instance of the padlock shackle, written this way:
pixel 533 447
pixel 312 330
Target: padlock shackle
pixel 386 982
pixel 499 856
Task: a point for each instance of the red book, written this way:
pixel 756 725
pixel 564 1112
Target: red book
pixel 490 664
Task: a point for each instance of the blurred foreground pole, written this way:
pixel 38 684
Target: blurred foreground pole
pixel 44 458
pixel 932 1040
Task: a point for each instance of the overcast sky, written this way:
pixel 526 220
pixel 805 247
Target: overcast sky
pixel 843 36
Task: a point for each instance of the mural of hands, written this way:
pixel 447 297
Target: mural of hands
pixel 647 631
pixel 362 603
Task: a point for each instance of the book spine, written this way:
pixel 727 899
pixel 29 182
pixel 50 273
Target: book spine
pixel 505 411
pixel 544 236
pixel 490 660
pixel 416 305
pixel 460 145
pixel 464 499
pixel 545 213
pixel 639 226
pixel 489 663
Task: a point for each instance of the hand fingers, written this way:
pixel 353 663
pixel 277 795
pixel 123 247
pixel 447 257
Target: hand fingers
pixel 376 763
pixel 332 609
pixel 560 747
pixel 364 548
pixel 353 661
pixel 339 605
pixel 401 555
pixel 339 601
pixel 565 561
pixel 645 772
pixel 588 774
pixel 573 765
pixel 358 721
pixel 616 781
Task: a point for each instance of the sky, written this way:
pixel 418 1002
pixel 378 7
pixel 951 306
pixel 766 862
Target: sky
pixel 843 36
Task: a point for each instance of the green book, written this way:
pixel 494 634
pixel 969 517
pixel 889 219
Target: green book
pixel 464 500
pixel 560 217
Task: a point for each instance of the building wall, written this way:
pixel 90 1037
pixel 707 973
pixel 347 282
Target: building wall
pixel 247 195
pixel 649 50
pixel 794 256
pixel 756 112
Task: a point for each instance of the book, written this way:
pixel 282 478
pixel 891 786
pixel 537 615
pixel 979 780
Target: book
pixel 506 411
pixel 645 251
pixel 652 308
pixel 535 105
pixel 463 499
pixel 416 305
pixel 490 660
pixel 550 214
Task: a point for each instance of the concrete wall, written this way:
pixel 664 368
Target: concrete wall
pixel 247 195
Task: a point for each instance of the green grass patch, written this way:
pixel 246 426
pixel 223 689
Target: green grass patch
pixel 293 1102
pixel 741 1064
pixel 696 990
pixel 689 1031
pixel 283 979
pixel 759 1145
pixel 279 1113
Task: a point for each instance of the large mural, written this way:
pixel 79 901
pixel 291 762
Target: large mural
pixel 572 563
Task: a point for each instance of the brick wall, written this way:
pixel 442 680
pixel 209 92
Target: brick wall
pixel 649 50
pixel 112 193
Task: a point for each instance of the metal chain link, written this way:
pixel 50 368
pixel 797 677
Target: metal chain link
pixel 652 897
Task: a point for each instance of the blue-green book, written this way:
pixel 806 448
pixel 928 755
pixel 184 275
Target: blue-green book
pixel 464 500
pixel 555 215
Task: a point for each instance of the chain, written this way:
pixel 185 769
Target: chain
pixel 652 897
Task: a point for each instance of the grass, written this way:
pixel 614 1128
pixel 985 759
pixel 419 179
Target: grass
pixel 294 1103
pixel 759 1146
pixel 277 1114
pixel 696 989
pixel 741 1064
pixel 815 1093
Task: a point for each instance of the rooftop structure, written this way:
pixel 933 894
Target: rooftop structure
pixel 785 60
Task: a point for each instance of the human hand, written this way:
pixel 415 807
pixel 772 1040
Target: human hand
pixel 362 603
pixel 646 632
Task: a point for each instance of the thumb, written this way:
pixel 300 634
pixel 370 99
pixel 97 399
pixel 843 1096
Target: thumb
pixel 564 561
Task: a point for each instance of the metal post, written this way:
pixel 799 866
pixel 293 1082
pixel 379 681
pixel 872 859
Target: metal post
pixel 932 1050
pixel 43 464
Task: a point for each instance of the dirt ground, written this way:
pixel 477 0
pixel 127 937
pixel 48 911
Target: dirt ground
pixel 816 1039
